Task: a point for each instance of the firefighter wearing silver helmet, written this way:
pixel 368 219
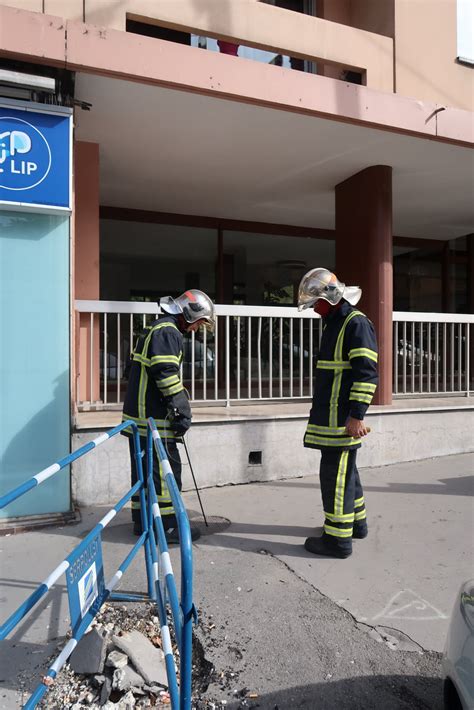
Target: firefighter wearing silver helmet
pixel 195 307
pixel 345 382
pixel 155 390
pixel 322 284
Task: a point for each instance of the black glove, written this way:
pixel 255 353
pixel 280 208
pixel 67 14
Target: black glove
pixel 180 410
pixel 181 425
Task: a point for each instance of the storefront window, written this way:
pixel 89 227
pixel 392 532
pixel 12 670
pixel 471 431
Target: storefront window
pixel 432 279
pixel 265 269
pixel 34 357
pixel 143 261
pixel 417 283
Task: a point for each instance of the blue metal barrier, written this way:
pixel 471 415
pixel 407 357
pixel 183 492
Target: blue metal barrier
pixel 87 591
pixel 188 610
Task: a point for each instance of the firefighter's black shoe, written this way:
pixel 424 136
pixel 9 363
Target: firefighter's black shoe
pixel 360 531
pixel 172 535
pixel 137 529
pixel 319 546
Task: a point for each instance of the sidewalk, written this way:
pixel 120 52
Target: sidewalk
pixel 283 621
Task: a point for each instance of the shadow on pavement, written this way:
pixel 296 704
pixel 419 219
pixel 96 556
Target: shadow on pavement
pixel 459 486
pixel 390 692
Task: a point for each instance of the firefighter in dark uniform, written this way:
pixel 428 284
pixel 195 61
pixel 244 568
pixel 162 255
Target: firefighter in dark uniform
pixel 346 379
pixel 155 390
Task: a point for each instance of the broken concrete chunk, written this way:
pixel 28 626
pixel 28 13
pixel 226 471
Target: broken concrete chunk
pixel 126 678
pixel 148 660
pixel 89 655
pixel 105 691
pixel 127 702
pixel 115 659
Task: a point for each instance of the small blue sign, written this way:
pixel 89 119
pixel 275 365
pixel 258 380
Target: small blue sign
pixel 35 158
pixel 85 584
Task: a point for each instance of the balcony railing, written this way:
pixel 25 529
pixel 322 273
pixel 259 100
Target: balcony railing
pixel 433 353
pixel 264 353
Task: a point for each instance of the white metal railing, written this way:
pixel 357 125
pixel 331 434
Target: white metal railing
pixel 433 353
pixel 265 353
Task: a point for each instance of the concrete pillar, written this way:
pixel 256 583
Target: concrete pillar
pixel 86 268
pixel 470 273
pixel 470 301
pixel 364 256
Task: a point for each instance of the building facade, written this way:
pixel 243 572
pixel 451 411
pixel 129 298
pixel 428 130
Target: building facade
pixel 228 145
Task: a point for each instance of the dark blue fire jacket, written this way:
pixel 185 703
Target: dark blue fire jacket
pixel 154 376
pixel 346 378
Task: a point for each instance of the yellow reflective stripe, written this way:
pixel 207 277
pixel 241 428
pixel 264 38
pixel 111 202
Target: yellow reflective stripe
pixel 138 357
pixel 142 392
pixel 364 386
pixel 359 397
pixel 162 425
pixel 338 532
pixel 336 385
pixel 340 337
pixel 334 401
pixel 358 502
pixel 333 365
pixel 174 389
pixel 167 381
pixel 363 352
pixel 143 382
pixel 319 429
pixel 323 441
pixel 345 518
pixel 340 484
pixel 360 516
pixel 173 359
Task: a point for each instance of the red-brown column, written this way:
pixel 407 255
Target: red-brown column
pixel 86 255
pixel 364 256
pixel 470 273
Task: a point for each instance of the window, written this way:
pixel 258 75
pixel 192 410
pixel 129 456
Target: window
pixel 465 31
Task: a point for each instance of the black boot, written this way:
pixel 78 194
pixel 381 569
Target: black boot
pixel 321 546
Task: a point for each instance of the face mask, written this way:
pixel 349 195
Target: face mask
pixel 322 307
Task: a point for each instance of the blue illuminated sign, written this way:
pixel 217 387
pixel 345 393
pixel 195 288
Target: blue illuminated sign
pixel 35 158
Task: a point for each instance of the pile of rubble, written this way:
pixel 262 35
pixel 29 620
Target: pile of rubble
pixel 117 665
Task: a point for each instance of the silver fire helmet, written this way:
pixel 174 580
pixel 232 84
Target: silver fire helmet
pixel 193 305
pixel 321 283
